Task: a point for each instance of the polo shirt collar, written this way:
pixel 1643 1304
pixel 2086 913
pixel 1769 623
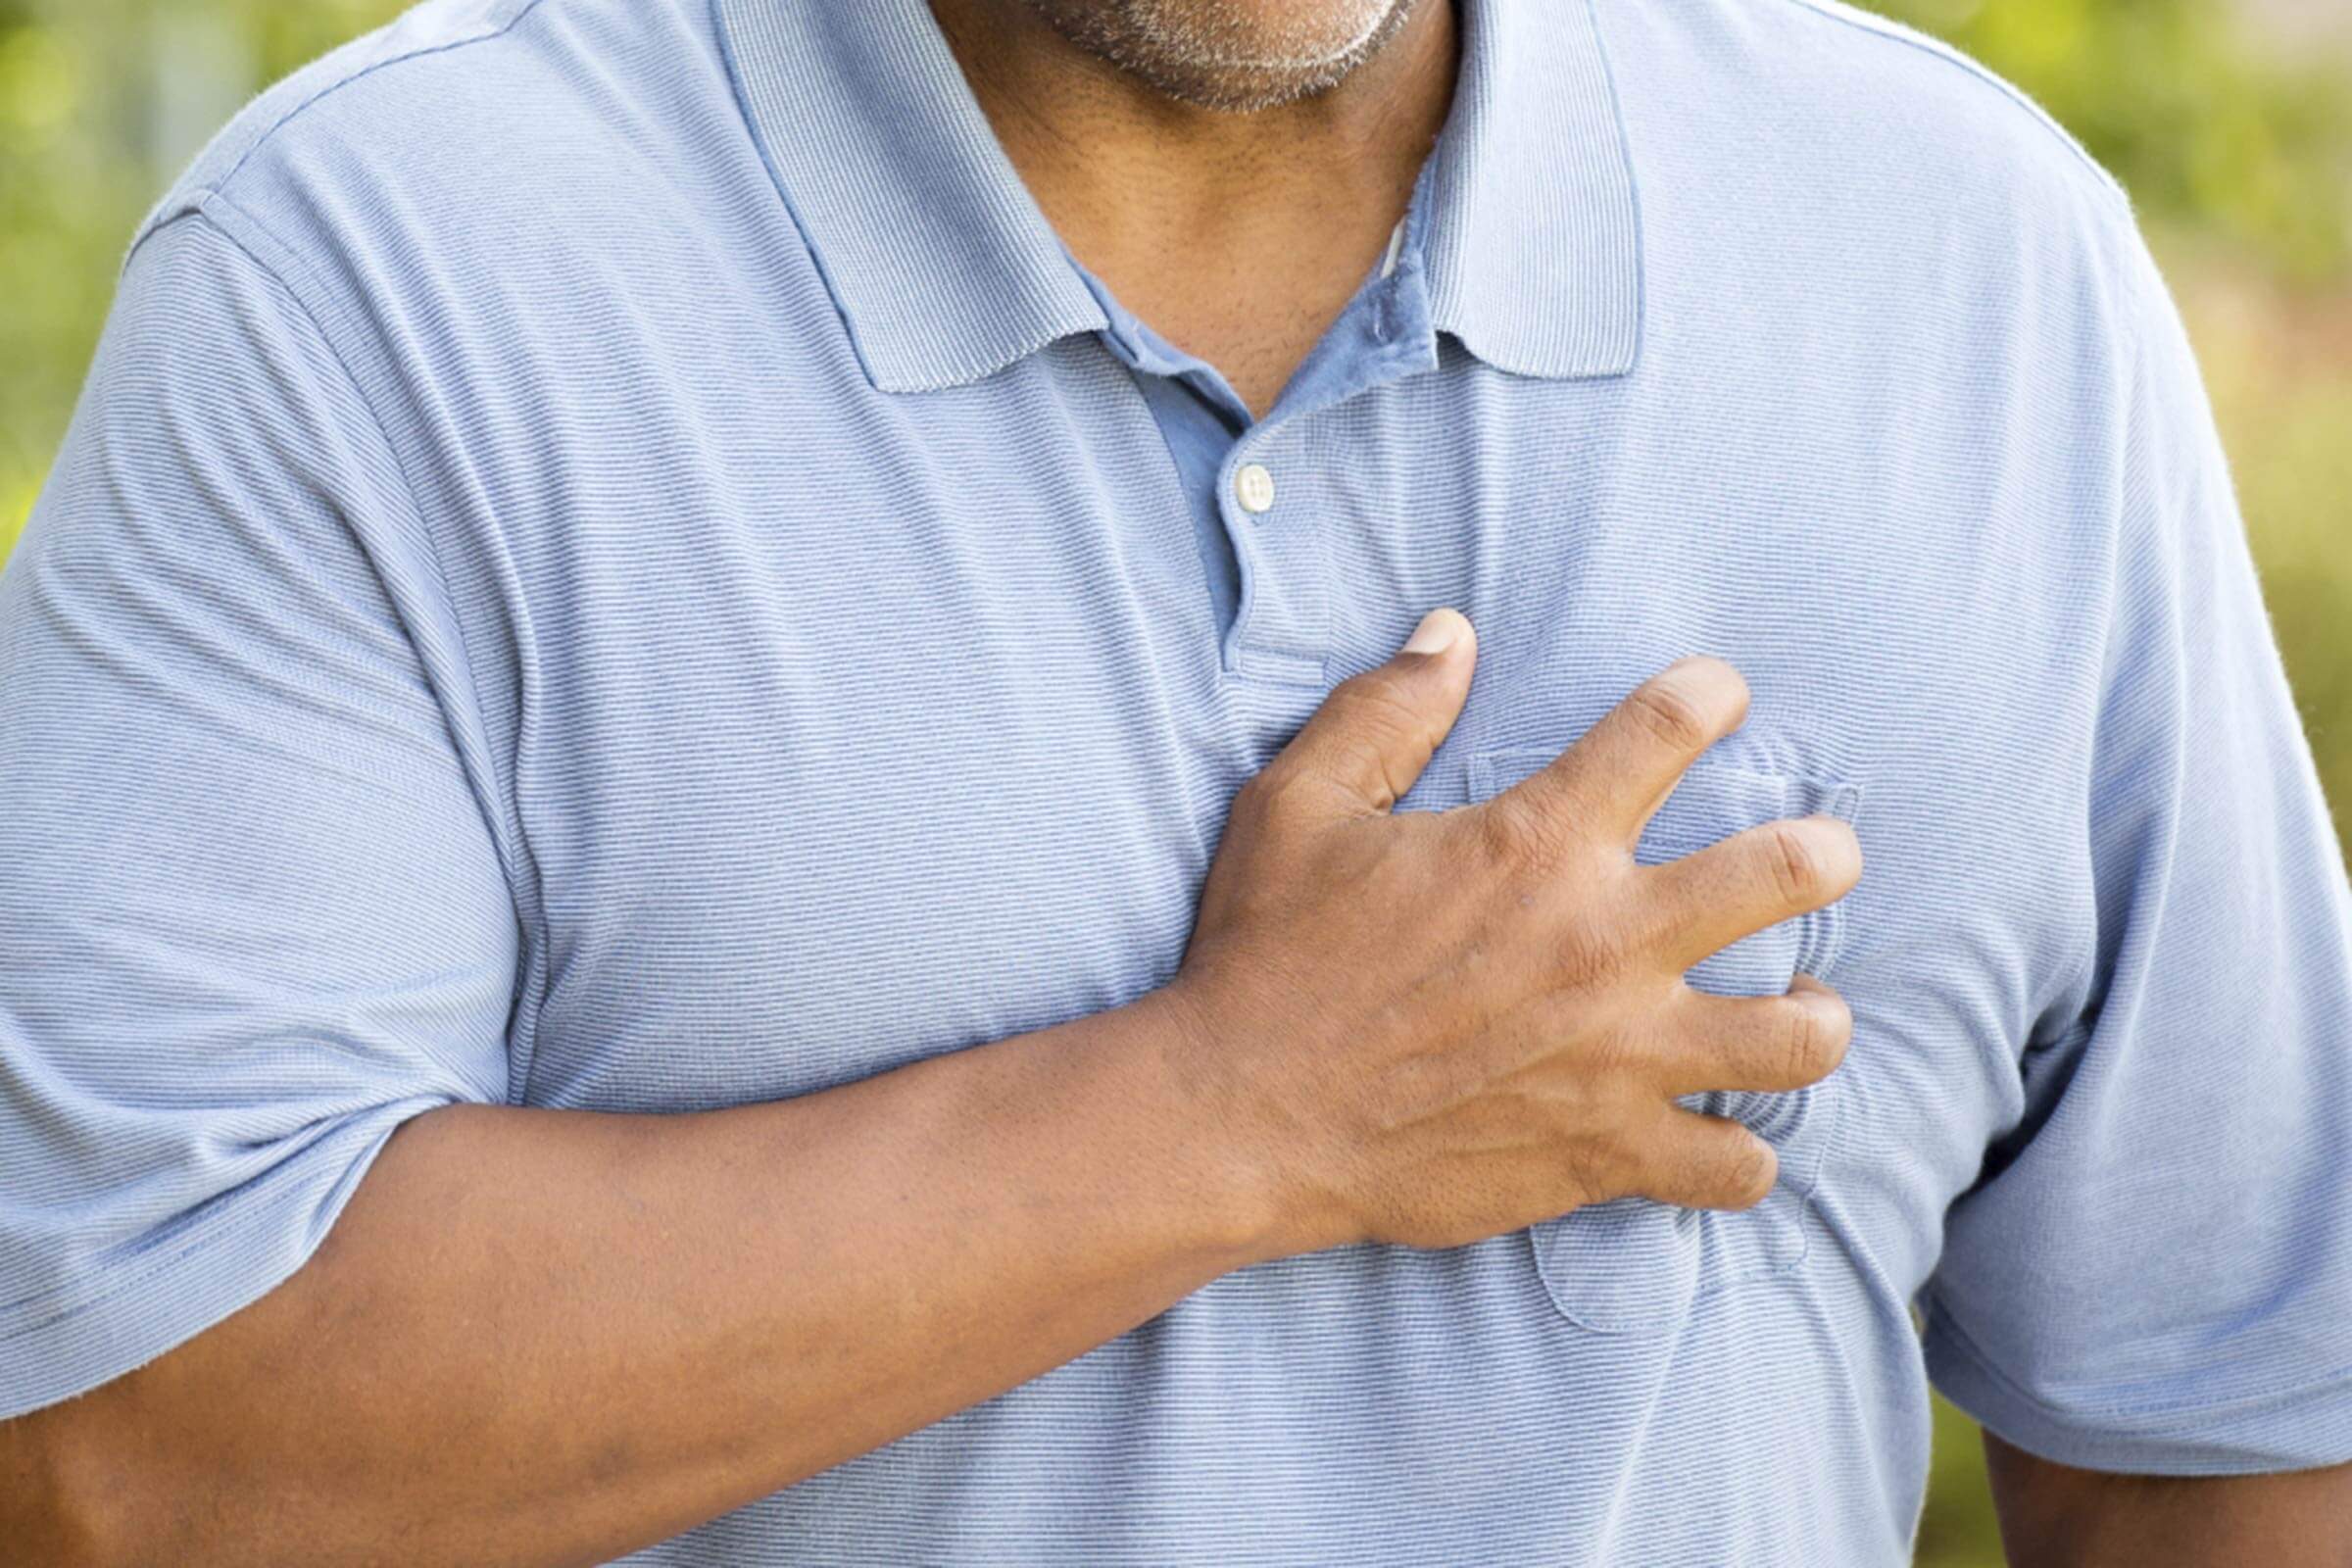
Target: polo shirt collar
pixel 944 269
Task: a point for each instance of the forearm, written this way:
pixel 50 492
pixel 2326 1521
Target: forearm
pixel 552 1337
pixel 2055 1516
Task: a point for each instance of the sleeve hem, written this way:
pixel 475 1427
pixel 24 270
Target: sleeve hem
pixel 2305 1427
pixel 67 1343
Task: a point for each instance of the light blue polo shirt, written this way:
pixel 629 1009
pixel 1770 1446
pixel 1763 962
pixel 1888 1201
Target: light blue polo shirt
pixel 610 559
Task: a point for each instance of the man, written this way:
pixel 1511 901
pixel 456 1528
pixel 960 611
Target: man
pixel 618 718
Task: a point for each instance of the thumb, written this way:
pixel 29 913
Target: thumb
pixel 1375 731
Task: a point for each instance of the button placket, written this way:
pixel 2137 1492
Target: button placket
pixel 1281 631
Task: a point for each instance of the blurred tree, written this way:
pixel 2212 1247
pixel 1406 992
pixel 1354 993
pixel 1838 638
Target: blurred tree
pixel 101 102
pixel 2175 98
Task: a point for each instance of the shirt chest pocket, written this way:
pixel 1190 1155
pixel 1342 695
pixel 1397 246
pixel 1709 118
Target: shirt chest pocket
pixel 1635 1266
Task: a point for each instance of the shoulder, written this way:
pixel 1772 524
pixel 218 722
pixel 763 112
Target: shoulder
pixel 1894 65
pixel 433 28
pixel 1834 107
pixel 454 93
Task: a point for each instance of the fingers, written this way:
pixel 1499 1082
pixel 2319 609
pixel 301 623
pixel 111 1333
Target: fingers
pixel 1707 1163
pixel 1614 778
pixel 1374 734
pixel 1705 902
pixel 1766 1044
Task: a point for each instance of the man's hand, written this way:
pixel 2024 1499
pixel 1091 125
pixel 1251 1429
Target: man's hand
pixel 1448 1025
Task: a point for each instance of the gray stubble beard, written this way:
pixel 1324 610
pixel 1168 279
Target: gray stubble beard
pixel 1218 54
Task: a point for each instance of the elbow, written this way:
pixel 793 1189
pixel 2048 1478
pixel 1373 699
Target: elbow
pixel 63 1507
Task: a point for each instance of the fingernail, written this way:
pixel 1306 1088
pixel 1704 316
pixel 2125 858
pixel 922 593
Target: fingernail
pixel 1438 630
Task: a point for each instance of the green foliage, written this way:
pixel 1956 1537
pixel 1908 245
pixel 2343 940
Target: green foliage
pixel 2172 97
pixel 101 102
pixel 1957 1528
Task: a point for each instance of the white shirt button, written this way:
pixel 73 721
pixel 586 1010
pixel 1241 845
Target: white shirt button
pixel 1253 487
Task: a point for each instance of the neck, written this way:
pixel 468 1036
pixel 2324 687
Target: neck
pixel 1120 168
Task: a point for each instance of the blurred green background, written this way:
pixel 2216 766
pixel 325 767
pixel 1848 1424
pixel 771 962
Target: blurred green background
pixel 2230 121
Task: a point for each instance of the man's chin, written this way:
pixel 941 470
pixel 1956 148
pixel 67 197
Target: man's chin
pixel 1235 56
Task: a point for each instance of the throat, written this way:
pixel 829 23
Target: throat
pixel 1237 236
pixel 1254 320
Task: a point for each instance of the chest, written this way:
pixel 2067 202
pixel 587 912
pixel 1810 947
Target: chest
pixel 894 724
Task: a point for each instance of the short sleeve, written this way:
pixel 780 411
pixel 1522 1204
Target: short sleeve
pixel 2155 1274
pixel 251 913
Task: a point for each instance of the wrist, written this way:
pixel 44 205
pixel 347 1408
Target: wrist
pixel 1250 1161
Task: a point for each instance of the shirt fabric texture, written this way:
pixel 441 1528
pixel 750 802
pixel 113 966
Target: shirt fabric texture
pixel 610 559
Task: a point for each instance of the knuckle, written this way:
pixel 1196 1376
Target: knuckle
pixel 1601 1166
pixel 1496 829
pixel 1378 709
pixel 1752 1173
pixel 1381 725
pixel 1267 795
pixel 1293 790
pixel 1669 711
pixel 1522 830
pixel 1794 864
pixel 1834 1024
pixel 1805 1047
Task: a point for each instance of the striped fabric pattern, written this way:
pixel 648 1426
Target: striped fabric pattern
pixel 610 559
